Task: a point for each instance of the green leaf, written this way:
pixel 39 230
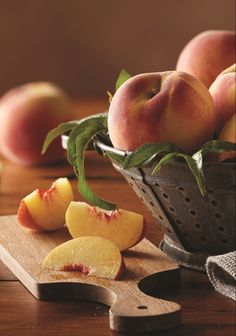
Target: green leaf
pixel 54 133
pixel 120 159
pixel 66 127
pixel 79 130
pixel 213 146
pixel 147 153
pixel 78 140
pixel 192 163
pixel 123 76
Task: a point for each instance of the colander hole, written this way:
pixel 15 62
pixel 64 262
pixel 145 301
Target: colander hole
pixel 198 226
pixel 152 204
pixel 221 228
pixel 169 230
pixel 210 191
pixel 161 218
pixel 193 212
pixel 181 188
pixel 141 199
pixel 203 239
pixel 187 200
pixel 171 209
pixel 165 196
pixel 132 178
pixel 217 215
pixel 213 202
pixel 178 222
pixel 156 184
pixel 131 184
pixel 144 191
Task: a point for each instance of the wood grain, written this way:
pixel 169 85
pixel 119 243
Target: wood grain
pixel 131 310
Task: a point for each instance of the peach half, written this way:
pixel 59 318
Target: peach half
pixel 95 256
pixel 124 228
pixel 45 210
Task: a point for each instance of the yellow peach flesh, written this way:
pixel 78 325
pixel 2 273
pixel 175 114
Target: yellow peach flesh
pixel 46 208
pixel 95 256
pixel 124 228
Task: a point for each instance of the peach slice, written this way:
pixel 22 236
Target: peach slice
pixel 124 228
pixel 94 256
pixel 45 210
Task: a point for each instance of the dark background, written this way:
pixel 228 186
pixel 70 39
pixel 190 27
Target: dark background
pixel 83 44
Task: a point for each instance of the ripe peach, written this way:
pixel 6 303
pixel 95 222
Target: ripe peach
pixel 27 113
pixel 208 54
pixel 228 133
pixel 223 92
pixel 45 210
pixel 124 228
pixel 94 256
pixel 169 106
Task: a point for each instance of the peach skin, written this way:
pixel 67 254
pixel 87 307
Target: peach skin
pixel 27 114
pixel 223 92
pixel 208 54
pixel 170 106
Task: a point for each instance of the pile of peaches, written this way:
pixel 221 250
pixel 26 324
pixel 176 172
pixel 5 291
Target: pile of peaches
pixel 187 107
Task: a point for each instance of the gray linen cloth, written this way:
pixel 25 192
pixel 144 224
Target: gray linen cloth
pixel 221 271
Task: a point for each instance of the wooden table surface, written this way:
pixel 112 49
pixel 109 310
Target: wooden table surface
pixel 204 311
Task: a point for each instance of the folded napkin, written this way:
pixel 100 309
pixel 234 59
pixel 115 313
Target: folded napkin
pixel 221 271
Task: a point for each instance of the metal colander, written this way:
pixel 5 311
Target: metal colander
pixel 194 226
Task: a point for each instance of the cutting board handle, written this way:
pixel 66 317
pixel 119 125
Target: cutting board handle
pixel 149 272
pixel 135 311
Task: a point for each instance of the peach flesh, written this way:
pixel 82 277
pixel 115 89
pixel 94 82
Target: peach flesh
pixel 124 228
pixel 25 218
pixel 88 255
pixel 45 209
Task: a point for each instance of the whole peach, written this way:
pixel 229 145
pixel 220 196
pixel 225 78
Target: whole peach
pixel 223 92
pixel 228 133
pixel 208 54
pixel 27 113
pixel 169 106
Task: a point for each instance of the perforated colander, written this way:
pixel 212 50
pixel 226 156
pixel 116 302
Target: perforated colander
pixel 194 226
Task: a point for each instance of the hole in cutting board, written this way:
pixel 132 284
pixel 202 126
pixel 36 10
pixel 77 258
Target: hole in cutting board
pixel 161 284
pixel 142 307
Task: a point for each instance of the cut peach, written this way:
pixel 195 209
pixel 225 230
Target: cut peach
pixel 94 256
pixel 124 228
pixel 45 210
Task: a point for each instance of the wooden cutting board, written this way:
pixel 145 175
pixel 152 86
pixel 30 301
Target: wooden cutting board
pixel 149 269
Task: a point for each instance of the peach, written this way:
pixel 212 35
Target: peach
pixel 208 54
pixel 228 133
pixel 45 210
pixel 27 113
pixel 93 256
pixel 124 228
pixel 169 106
pixel 223 92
